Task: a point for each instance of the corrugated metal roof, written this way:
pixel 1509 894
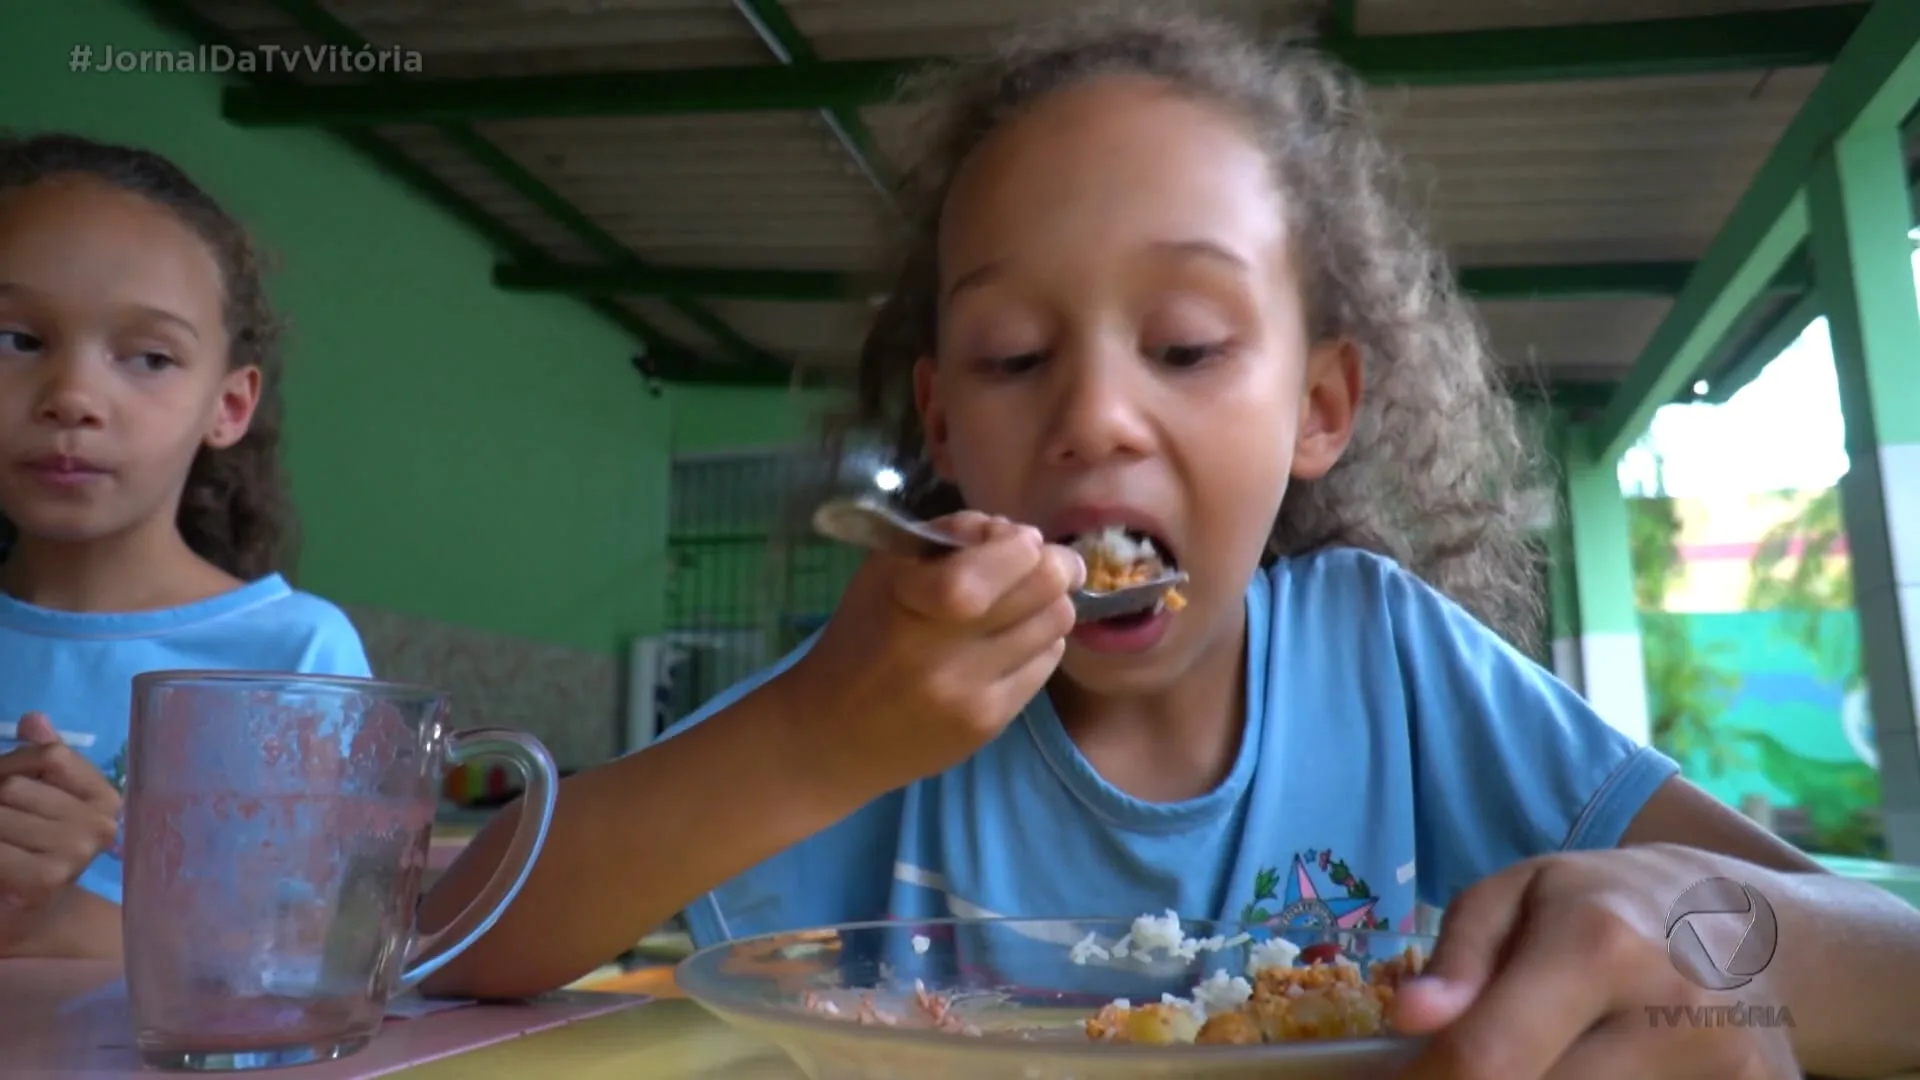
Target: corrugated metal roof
pixel 435 151
pixel 867 29
pixel 1544 173
pixel 1438 16
pixel 1590 171
pixel 819 335
pixel 747 189
pixel 527 37
pixel 1580 341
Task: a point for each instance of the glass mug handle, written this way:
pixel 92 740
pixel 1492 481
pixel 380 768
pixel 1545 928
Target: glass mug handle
pixel 529 836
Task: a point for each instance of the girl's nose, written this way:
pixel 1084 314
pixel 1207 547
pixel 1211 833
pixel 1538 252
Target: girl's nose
pixel 67 395
pixel 1101 410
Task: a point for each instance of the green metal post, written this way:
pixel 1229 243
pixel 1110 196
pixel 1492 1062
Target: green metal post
pixel 1860 214
pixel 1602 646
pixel 1782 332
pixel 1871 85
pixel 1563 597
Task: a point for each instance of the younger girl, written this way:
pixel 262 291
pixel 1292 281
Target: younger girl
pixel 142 507
pixel 1162 281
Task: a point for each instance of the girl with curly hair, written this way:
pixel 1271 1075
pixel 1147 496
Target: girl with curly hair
pixel 143 511
pixel 1163 279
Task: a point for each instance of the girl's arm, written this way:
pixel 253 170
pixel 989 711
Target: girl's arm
pixel 636 840
pixel 77 926
pixel 1848 953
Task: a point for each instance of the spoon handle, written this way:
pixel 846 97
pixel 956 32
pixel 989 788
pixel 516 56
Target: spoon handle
pixel 874 525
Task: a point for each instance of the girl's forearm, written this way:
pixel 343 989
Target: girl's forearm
pixel 1846 965
pixel 633 842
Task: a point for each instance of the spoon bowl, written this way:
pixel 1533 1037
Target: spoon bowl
pixel 876 526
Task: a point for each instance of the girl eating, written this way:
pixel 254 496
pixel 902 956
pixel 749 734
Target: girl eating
pixel 1163 280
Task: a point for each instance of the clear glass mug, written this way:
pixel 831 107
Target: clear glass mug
pixel 276 830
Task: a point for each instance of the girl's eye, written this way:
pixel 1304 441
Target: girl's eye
pixel 1186 356
pixel 154 361
pixel 1014 365
pixel 17 341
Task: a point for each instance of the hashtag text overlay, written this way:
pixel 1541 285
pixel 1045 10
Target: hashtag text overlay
pixel 251 60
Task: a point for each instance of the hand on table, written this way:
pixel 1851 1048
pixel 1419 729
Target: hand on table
pixel 1558 969
pixel 57 814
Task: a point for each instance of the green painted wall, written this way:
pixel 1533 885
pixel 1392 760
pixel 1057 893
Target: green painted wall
pixel 710 419
pixel 458 453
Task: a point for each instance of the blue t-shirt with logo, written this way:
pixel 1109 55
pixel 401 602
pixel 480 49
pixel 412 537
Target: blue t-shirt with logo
pixel 1395 752
pixel 78 668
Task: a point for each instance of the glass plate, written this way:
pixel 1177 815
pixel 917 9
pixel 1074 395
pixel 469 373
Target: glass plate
pixel 1026 988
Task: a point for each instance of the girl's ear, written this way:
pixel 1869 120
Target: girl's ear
pixel 933 416
pixel 1328 405
pixel 233 413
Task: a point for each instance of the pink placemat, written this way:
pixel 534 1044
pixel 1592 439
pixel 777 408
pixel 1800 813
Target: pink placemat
pixel 69 1019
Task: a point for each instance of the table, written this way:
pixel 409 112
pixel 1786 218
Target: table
pixel 578 1036
pixel 665 1039
pixel 70 1020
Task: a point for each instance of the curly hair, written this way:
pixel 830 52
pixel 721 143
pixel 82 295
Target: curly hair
pixel 1434 475
pixel 234 510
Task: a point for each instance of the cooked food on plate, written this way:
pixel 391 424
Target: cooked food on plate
pixel 1286 994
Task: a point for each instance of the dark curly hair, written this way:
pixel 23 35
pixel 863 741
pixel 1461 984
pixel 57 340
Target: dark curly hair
pixel 234 511
pixel 1434 476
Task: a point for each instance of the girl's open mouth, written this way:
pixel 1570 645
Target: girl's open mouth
pixel 1118 556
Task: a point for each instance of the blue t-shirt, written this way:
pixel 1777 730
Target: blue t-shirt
pixel 1395 752
pixel 78 668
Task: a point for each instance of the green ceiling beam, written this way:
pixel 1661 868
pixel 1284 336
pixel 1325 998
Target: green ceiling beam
pixel 1571 396
pixel 747 376
pixel 1567 396
pixel 556 206
pixel 316 20
pixel 1342 19
pixel 1595 281
pixel 752 88
pixel 184 19
pixel 1742 41
pixel 1874 82
pixel 716 282
pixel 783 38
pixel 1752 40
pixel 1785 328
pixel 1788 324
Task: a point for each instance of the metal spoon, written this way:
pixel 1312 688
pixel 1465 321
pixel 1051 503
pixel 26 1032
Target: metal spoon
pixel 871 524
